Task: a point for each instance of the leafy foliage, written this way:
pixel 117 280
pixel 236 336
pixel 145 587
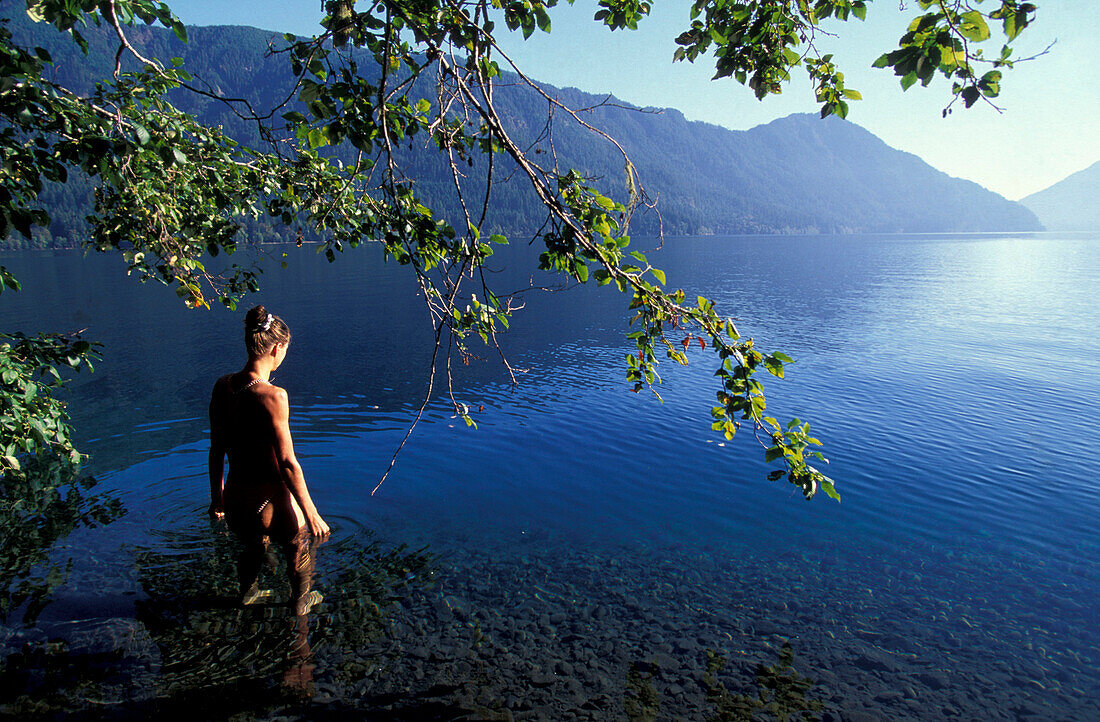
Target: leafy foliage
pixel 946 40
pixel 33 421
pixel 760 42
pixel 381 77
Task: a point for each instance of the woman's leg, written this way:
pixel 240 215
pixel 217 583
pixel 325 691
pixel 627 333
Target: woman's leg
pixel 245 525
pixel 251 559
pixel 288 526
pixel 300 566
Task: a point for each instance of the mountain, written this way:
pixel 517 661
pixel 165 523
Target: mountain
pixel 803 174
pixel 795 175
pixel 1070 204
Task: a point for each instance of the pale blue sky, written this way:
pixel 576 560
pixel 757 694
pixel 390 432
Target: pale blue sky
pixel 1049 128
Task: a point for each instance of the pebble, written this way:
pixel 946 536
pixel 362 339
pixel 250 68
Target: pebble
pixel 876 661
pixel 540 679
pixel 666 662
pixel 934 680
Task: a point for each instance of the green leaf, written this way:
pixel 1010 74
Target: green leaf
pixel 542 18
pixel 1014 23
pixel 658 274
pixel 972 25
pixel 180 30
pixel 310 91
pixel 990 84
pixel 317 138
pixel 141 135
pixel 829 489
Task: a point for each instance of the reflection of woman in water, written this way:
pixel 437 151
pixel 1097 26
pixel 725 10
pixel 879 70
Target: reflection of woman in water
pixel 265 496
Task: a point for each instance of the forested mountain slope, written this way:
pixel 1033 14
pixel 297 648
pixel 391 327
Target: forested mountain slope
pixel 795 175
pixel 1070 204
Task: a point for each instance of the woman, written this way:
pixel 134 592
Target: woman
pixel 265 496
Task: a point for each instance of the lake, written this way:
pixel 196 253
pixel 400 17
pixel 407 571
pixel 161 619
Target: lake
pixel 587 552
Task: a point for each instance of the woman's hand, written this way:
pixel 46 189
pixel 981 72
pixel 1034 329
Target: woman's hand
pixel 317 526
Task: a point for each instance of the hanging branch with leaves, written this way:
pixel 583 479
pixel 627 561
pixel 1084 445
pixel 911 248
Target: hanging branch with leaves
pixel 390 80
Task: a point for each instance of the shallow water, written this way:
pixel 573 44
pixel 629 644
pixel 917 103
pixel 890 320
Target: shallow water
pixel 583 531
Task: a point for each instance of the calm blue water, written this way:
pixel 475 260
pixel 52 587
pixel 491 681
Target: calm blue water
pixel 955 382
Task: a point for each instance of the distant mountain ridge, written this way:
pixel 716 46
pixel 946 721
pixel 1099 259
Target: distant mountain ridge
pixel 797 174
pixel 804 174
pixel 1070 204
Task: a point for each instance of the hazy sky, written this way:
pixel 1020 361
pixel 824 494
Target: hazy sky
pixel 1049 128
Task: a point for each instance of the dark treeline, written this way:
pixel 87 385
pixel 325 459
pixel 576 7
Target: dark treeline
pixel 795 175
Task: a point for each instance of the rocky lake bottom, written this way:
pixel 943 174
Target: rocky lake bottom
pixel 540 630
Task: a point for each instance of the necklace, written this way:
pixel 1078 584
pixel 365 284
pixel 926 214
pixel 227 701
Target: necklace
pixel 249 385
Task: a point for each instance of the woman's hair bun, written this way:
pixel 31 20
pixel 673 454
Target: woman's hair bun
pixel 254 319
pixel 262 330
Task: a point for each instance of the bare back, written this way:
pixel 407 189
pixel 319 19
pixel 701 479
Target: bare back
pixel 247 426
pixel 242 425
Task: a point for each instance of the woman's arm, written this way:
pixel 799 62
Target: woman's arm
pixel 289 468
pixel 216 460
pixel 217 471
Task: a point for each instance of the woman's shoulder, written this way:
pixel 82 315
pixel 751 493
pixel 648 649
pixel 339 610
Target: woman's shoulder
pixel 221 386
pixel 274 399
pixel 270 390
